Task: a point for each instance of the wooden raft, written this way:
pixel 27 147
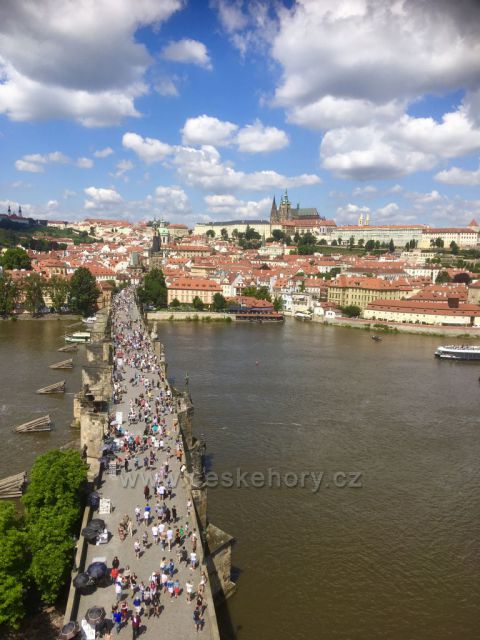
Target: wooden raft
pixel 12 486
pixel 64 364
pixel 39 424
pixel 57 387
pixel 69 347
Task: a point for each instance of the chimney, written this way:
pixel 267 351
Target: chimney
pixel 453 303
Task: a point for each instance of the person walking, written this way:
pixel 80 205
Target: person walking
pixel 137 548
pixel 189 590
pixel 136 622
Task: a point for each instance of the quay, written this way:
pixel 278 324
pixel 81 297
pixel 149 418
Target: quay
pixel 125 395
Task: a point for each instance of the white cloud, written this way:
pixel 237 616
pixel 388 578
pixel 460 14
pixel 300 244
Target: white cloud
pixel 69 193
pixel 208 130
pixel 52 205
pixel 375 51
pixel 421 199
pixel 233 207
pixel 148 149
pixel 32 167
pixel 172 200
pixel 84 163
pixel 256 138
pixel 60 62
pixel 187 51
pixel 203 167
pixel 99 198
pixel 456 175
pixel 122 167
pixel 362 191
pixel 166 85
pixel 350 213
pixel 387 211
pixel 103 153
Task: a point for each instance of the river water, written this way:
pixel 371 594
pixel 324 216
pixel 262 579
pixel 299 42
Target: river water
pixel 396 558
pixel 27 348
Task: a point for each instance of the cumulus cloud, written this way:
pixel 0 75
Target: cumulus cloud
pixel 233 207
pixel 256 138
pixel 208 130
pixel 172 200
pixel 362 191
pixel 35 162
pixel 202 167
pixel 350 213
pixel 84 163
pixel 147 149
pixel 249 24
pixel 187 51
pixel 459 176
pixel 56 62
pixel 103 153
pixel 99 198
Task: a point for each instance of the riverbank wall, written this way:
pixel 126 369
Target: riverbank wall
pixel 189 316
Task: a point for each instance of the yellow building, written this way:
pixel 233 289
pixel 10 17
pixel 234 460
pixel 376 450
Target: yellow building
pixel 429 313
pixel 186 289
pixel 346 290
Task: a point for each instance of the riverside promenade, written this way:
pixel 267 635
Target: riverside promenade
pixel 141 390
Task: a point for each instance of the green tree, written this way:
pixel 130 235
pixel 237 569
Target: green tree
pixel 210 233
pixel 462 278
pixel 16 258
pixel 33 287
pixel 360 242
pixel 277 303
pixel 278 235
pixel 351 242
pixel 14 562
pixel 443 277
pixel 83 292
pixel 9 292
pixel 307 238
pixel 351 311
pixel 439 243
pixel 198 304
pixel 59 288
pixel 322 242
pixel 334 243
pixel 454 248
pixel 224 233
pixel 391 246
pixel 53 505
pixel 260 293
pixel 370 245
pixel 251 234
pixel 154 289
pixel 175 303
pixel 219 302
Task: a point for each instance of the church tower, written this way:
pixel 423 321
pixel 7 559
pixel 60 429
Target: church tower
pixel 284 212
pixel 274 212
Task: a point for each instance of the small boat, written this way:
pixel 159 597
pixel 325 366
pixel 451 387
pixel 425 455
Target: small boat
pixel 78 336
pixel 376 338
pixel 303 315
pixel 89 320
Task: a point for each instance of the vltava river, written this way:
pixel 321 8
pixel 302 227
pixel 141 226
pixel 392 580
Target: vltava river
pixel 27 348
pixel 395 559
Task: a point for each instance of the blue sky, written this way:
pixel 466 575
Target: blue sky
pixel 203 110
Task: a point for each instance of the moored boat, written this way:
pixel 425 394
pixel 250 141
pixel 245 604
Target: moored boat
pixel 78 336
pixel 458 352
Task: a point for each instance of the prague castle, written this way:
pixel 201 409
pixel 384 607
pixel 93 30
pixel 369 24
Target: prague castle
pixel 285 212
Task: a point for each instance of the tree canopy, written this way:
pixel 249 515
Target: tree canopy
pixel 154 289
pixel 33 287
pixel 219 302
pixel 9 292
pixel 83 292
pixel 16 258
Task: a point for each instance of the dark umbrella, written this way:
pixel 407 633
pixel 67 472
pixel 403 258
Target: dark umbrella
pixel 69 631
pixel 95 615
pixel 97 524
pixel 89 534
pixel 82 580
pixel 97 570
